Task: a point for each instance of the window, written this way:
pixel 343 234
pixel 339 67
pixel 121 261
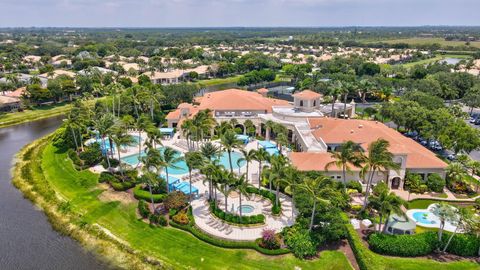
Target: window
pixel 301 103
pixel 314 103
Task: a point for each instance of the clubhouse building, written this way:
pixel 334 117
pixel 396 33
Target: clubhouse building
pixel 313 131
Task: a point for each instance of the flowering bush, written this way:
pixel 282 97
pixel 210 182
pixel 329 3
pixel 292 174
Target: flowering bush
pixel 269 239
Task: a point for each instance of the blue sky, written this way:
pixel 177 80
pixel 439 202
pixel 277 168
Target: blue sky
pixel 211 13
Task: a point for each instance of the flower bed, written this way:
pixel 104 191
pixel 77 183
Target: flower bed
pixel 276 209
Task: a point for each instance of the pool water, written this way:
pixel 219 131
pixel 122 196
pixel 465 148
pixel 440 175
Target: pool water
pixel 246 209
pixel 181 166
pixel 423 217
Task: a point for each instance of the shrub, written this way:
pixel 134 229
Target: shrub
pixel 143 209
pixel 269 239
pixel 403 245
pixel 462 244
pixel 106 177
pixel 92 155
pixel 300 242
pixel 140 194
pixel 276 209
pixel 255 219
pixel 355 185
pixel 181 218
pixel 158 219
pixel 113 163
pixel 175 200
pixel 435 182
pixel 122 186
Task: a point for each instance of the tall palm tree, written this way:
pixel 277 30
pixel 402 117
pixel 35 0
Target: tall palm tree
pixel 455 171
pixel 248 156
pixel 149 178
pixel 225 180
pixel 194 160
pixel 142 124
pixel 349 154
pixel 291 180
pixel 154 136
pixel 104 126
pixel 222 128
pixel 278 164
pixel 120 137
pixel 241 184
pixel 209 169
pixel 313 187
pixel 170 157
pixel 334 90
pixel 187 131
pixel 270 125
pixel 210 151
pixel 261 155
pixel 385 203
pixel 379 159
pixel 230 142
pixel 462 219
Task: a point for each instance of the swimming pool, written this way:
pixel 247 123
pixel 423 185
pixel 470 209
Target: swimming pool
pixel 181 166
pixel 246 209
pixel 423 217
pixel 136 139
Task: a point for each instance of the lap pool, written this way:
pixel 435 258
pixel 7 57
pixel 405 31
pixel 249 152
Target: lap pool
pixel 181 167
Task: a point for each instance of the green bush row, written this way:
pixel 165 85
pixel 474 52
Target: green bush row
pixel 255 219
pixel 141 194
pixel 462 244
pixel 122 186
pixel 276 209
pixel 403 245
pixel 225 243
pixel 365 258
pixel 153 218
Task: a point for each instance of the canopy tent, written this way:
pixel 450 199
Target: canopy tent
pixel 171 181
pixel 272 151
pixel 167 131
pixel 185 188
pixel 244 138
pixel 267 144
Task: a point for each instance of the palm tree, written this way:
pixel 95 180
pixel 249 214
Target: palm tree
pixel 261 155
pixel 248 156
pixel 379 159
pixel 209 169
pixel 170 157
pixel 278 163
pixel 154 136
pixel 194 160
pixel 334 90
pixel 222 128
pixel 104 125
pixel 121 137
pixel 349 154
pixel 150 179
pixel 187 128
pixel 241 184
pixel 225 180
pixel 455 171
pixel 229 142
pixel 210 151
pixel 142 124
pixel 444 212
pixel 312 187
pixel 291 179
pixel 269 125
pixel 385 203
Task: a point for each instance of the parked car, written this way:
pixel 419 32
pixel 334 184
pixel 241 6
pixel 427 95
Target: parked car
pixel 477 121
pixel 451 157
pixel 473 119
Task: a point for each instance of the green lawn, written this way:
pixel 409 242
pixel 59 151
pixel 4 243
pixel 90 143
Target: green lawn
pixel 425 41
pixel 173 246
pixel 434 59
pixel 212 82
pixel 14 118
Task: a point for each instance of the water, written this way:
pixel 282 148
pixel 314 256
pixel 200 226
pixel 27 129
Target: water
pixel 423 217
pixel 27 239
pixel 452 61
pixel 247 209
pixel 180 167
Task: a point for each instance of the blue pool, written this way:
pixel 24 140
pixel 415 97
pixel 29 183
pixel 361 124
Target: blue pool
pixel 181 166
pixel 423 217
pixel 246 209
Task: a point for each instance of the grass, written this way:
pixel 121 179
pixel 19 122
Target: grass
pixel 37 113
pixel 426 41
pixel 15 118
pixel 172 246
pixel 52 170
pixel 434 59
pixel 218 81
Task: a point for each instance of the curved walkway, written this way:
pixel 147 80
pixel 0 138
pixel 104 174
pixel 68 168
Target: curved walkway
pixel 216 227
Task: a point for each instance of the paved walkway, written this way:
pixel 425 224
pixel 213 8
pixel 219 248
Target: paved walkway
pixel 450 197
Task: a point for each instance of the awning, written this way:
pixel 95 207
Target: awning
pixel 267 144
pixel 185 188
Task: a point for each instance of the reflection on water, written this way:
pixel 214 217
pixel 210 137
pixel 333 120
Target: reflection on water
pixel 27 239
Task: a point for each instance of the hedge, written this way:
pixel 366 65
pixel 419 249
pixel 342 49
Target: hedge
pixel 141 194
pixel 254 219
pixel 122 186
pixel 276 209
pixel 462 244
pixel 403 245
pixel 191 228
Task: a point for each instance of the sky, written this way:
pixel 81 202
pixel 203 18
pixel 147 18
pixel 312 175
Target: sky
pixel 228 13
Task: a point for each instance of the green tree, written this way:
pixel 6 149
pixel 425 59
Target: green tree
pixel 194 160
pixel 170 157
pixel 313 188
pixel 230 142
pixel 349 153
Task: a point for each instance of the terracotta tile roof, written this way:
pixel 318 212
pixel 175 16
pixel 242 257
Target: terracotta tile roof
pixel 363 132
pixel 262 90
pixel 17 93
pixel 307 94
pixel 311 161
pixel 236 99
